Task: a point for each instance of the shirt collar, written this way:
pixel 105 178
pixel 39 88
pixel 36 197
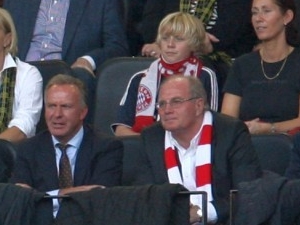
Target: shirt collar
pixel 75 141
pixel 8 62
pixel 193 143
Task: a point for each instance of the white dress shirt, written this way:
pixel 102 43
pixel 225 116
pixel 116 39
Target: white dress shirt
pixel 28 99
pixel 187 158
pixel 72 152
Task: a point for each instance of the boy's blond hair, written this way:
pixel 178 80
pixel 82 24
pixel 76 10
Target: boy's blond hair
pixel 183 25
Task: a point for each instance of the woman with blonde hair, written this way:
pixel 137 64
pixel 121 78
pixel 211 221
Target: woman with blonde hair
pixel 20 87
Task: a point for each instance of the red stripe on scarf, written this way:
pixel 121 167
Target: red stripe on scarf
pixel 141 122
pixel 170 158
pixel 203 175
pixel 206 135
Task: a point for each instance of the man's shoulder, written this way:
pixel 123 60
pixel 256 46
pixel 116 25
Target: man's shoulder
pixel 153 134
pixel 224 117
pixel 156 128
pixel 225 121
pixel 99 140
pixel 40 140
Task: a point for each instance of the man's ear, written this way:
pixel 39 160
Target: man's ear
pixel 200 105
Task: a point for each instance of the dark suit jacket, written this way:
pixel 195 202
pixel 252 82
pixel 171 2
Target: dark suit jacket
pixel 233 159
pixel 92 28
pixel 99 161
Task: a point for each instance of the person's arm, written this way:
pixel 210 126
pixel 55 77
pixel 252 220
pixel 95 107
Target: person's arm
pixel 151 50
pixel 126 112
pixel 209 81
pixel 123 130
pixel 27 103
pixel 231 105
pixel 66 191
pixel 255 126
pixel 86 63
pixel 13 134
pixel 112 38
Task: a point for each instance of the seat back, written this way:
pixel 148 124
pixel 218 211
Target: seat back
pixel 273 151
pixel 7 160
pixel 48 69
pixel 113 77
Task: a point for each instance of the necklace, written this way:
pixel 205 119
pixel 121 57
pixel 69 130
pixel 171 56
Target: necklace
pixel 277 74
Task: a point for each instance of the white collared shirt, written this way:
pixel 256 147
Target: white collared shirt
pixel 28 95
pixel 72 153
pixel 187 157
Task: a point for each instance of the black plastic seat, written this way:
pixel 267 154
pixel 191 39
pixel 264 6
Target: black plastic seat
pixel 274 151
pixel 7 160
pixel 113 77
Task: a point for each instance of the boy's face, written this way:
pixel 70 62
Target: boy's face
pixel 174 48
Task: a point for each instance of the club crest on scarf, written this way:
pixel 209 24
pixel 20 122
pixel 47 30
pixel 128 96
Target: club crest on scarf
pixel 144 98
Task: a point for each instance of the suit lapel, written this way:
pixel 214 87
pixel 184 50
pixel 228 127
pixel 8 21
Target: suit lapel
pixel 75 13
pixel 83 160
pixel 155 151
pixel 47 163
pixel 30 8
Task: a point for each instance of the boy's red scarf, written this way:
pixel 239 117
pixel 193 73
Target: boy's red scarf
pixel 147 93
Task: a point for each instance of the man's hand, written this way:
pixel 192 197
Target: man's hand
pixel 66 191
pixel 151 50
pixel 23 185
pixel 194 217
pixel 207 45
pixel 254 126
pixel 83 63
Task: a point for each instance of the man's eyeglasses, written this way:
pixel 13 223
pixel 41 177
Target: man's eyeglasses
pixel 174 102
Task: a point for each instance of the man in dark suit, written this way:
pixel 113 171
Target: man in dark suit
pixel 90 28
pixel 198 148
pixel 93 159
pixel 83 33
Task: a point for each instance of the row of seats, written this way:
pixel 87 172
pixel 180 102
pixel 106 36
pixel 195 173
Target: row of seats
pixel 273 151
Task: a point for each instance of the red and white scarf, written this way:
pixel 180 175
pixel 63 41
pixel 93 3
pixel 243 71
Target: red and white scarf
pixel 203 168
pixel 149 84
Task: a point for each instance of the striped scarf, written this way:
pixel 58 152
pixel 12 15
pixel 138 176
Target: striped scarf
pixel 202 9
pixel 148 88
pixel 7 90
pixel 203 159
